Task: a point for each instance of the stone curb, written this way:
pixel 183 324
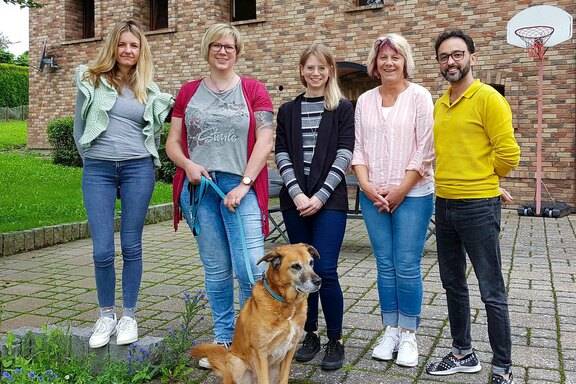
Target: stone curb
pixel 22 241
pixel 80 337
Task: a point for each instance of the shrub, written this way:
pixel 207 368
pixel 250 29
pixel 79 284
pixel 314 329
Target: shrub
pixel 13 85
pixel 61 136
pixel 166 172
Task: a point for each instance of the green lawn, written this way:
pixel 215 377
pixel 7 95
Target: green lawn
pixel 12 135
pixel 36 193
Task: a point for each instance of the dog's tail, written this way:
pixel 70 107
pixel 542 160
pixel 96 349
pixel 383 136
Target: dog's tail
pixel 215 353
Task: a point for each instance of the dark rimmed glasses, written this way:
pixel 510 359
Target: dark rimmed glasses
pixel 456 56
pixel 228 48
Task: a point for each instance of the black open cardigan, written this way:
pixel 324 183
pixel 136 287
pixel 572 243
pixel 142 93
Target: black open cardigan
pixel 336 131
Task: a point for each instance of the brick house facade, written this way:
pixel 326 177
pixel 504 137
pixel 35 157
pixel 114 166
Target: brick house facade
pixel 276 31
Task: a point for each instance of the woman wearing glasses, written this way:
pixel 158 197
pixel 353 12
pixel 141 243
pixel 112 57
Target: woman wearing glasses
pixel 221 129
pixel 392 159
pixel 314 143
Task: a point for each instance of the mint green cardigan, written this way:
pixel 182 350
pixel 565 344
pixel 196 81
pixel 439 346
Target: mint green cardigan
pixel 100 100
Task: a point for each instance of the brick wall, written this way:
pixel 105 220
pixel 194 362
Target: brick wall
pixel 284 28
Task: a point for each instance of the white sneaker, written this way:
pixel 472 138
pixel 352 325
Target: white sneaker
pixel 204 363
pixel 407 350
pixel 127 331
pixel 387 344
pixel 103 329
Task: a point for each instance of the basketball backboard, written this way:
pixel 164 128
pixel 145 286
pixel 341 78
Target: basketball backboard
pixel 540 15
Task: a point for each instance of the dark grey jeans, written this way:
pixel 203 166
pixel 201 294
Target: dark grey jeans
pixel 472 226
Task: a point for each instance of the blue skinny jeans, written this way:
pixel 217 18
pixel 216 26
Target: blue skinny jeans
pixel 398 242
pixel 132 181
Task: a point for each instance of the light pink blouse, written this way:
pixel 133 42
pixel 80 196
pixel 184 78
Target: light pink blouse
pixel 402 141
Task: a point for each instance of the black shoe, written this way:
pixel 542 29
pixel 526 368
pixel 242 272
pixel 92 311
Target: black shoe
pixel 334 357
pixel 497 379
pixel 310 347
pixel 451 364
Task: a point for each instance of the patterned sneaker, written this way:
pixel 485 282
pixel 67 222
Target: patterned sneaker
pixel 103 329
pixel 451 364
pixel 204 363
pixel 310 347
pixel 126 331
pixel 387 344
pixel 407 350
pixel 334 356
pixel 498 379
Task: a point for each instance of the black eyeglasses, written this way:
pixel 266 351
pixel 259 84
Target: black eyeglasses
pixel 456 56
pixel 228 48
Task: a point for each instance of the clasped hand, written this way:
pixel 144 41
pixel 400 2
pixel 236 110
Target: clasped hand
pixel 307 206
pixel 385 199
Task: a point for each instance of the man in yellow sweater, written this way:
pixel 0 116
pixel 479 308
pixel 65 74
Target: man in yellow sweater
pixel 475 146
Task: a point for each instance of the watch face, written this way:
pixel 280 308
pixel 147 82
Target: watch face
pixel 246 180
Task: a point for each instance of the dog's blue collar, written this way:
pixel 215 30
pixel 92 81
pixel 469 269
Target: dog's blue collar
pixel 272 293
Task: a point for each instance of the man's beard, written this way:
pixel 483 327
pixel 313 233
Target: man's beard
pixel 461 73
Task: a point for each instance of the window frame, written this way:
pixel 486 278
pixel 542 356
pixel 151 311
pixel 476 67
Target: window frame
pixel 253 16
pixel 88 19
pixel 159 12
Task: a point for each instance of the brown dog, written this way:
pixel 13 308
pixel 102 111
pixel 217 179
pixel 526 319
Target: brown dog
pixel 271 322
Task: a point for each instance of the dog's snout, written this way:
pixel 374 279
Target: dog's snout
pixel 317 280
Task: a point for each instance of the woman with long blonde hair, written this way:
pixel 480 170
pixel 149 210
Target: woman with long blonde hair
pixel 119 116
pixel 314 143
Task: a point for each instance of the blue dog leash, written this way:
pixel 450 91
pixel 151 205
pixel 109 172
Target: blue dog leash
pixel 196 196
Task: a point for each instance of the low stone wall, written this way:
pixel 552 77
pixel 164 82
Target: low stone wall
pixel 80 337
pixel 22 241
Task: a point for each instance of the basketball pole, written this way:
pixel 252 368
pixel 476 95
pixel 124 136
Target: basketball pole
pixel 539 139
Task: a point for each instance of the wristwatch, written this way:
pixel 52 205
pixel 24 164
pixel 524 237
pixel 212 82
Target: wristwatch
pixel 247 181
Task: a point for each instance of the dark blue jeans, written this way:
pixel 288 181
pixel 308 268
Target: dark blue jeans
pixel 325 231
pixel 472 226
pixel 101 181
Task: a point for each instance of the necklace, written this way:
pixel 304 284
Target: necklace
pixel 220 90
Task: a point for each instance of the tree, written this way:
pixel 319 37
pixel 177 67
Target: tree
pixel 22 60
pixel 4 42
pixel 6 57
pixel 24 3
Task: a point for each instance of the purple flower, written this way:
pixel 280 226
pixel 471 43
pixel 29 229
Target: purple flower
pixel 6 375
pixel 31 375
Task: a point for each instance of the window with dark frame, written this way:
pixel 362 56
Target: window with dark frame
pixel 243 10
pixel 88 19
pixel 158 14
pixel 369 2
pixel 500 88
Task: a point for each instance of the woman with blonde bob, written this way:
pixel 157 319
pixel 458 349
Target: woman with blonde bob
pixel 392 159
pixel 222 130
pixel 314 143
pixel 119 116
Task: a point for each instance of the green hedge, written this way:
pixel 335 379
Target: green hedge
pixel 61 136
pixel 13 85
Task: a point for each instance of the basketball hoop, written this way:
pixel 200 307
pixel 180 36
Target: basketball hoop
pixel 537 28
pixel 535 38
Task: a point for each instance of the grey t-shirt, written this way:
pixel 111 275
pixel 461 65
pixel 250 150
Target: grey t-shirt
pixel 123 139
pixel 217 126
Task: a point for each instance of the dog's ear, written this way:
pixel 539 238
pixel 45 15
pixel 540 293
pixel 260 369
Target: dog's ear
pixel 313 252
pixel 273 257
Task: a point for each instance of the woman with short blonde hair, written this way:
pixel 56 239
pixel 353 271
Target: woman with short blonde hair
pixel 221 130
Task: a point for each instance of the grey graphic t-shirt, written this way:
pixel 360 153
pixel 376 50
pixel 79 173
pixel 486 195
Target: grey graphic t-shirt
pixel 217 125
